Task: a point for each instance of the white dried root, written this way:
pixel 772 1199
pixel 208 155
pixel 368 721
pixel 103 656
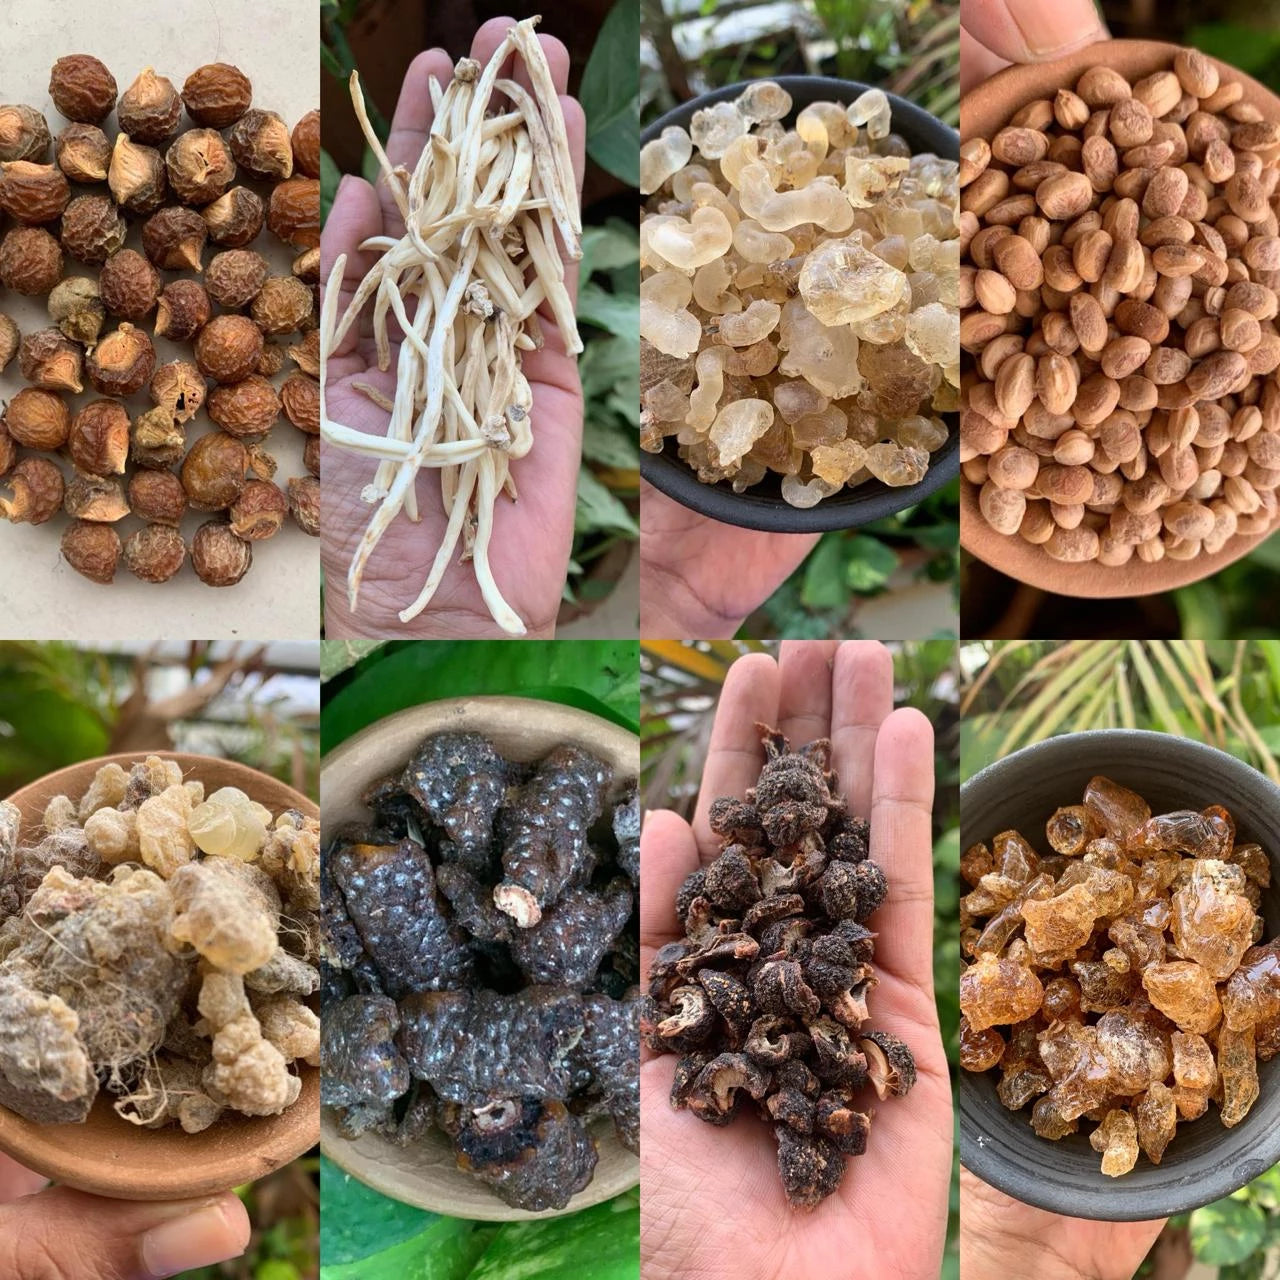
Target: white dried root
pixel 493 189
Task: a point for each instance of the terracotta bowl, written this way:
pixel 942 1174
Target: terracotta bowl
pixel 983 112
pixel 110 1157
pixel 521 729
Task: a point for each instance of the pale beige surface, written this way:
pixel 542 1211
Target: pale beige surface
pixel 276 44
pixel 521 729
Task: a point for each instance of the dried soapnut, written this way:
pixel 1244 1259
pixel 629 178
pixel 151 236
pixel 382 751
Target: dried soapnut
pixel 259 512
pixel 99 439
pixel 92 229
pixel 304 502
pixel 150 109
pixel 9 340
pixel 214 471
pixel 217 94
pixel 261 145
pixel 76 308
pixel 51 361
pixel 218 556
pixel 306 354
pixel 157 497
pixel 129 284
pixel 38 489
pixel 83 153
pixel 182 311
pixel 199 166
pixel 300 397
pixel 246 409
pixel 228 348
pixel 157 440
pixel 92 550
pixel 122 362
pixel 95 499
pixel 282 305
pixel 306 266
pixel 306 145
pixel 235 219
pixel 293 213
pixel 82 88
pixel 155 553
pixel 136 176
pixel 271 361
pixel 174 239
pixel 24 134
pixel 38 419
pixel 311 455
pixel 179 389
pixel 235 276
pixel 30 260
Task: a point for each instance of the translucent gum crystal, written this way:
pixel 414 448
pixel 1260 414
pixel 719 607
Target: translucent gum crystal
pixel 738 426
pixel 823 203
pixel 763 101
pixel 872 110
pixel 665 156
pixel 843 282
pixel 714 128
pixel 690 243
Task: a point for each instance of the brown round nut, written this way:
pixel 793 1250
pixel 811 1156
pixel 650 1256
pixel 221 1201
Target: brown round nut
pixel 300 397
pixel 1064 196
pixel 293 214
pixel 245 409
pixel 311 455
pixel 261 145
pixel 95 498
pixel 174 239
pixel 228 348
pixel 199 166
pixel 82 88
pixel 83 153
pixel 235 219
pixel 1216 375
pixel 99 440
pixel 218 556
pixel 217 94
pixel 183 310
pixel 306 354
pixel 306 266
pixel 178 388
pixel 122 362
pixel 8 450
pixel 150 109
pixel 1018 262
pixel 129 284
pixel 1103 87
pixel 214 471
pixel 51 361
pixel 1196 73
pixel 38 419
pixel 92 229
pixel 136 176
pixel 24 134
pixel 158 441
pixel 157 497
pixel 156 553
pixel 30 260
pixel 1159 92
pixel 92 550
pixel 9 340
pixel 38 490
pixel 235 276
pixel 271 361
pixel 259 512
pixel 304 504
pixel 282 305
pixel 306 145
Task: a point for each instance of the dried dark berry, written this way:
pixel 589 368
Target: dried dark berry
pixel 731 881
pixel 811 1166
pixel 889 1063
pixel 718 1091
pixel 689 890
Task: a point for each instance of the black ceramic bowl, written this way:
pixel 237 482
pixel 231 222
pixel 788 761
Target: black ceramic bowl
pixel 762 507
pixel 1205 1161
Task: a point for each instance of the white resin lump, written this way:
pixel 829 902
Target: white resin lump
pixel 799 295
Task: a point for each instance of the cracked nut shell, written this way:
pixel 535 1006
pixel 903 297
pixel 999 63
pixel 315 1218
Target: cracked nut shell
pixel 199 166
pixel 235 219
pixel 235 276
pixel 293 214
pixel 218 556
pixel 83 153
pixel 183 310
pixel 214 471
pixel 30 260
pixel 75 306
pixel 228 348
pixel 38 419
pixel 217 94
pixel 261 145
pixel 82 88
pixel 306 354
pixel 136 176
pixel 38 490
pixel 92 550
pixel 129 284
pixel 92 229
pixel 259 512
pixel 156 553
pixel 24 133
pixel 157 497
pixel 246 409
pixel 300 397
pixel 33 193
pixel 99 439
pixel 306 266
pixel 304 503
pixel 150 109
pixel 51 361
pixel 174 239
pixel 157 441
pixel 282 305
pixel 95 498
pixel 179 389
pixel 122 362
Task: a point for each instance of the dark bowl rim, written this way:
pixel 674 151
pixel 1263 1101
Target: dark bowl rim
pixel 1205 1180
pixel 851 509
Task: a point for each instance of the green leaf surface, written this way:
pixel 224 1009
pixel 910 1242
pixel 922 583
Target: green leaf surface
pixel 869 564
pixel 330 177
pixel 598 508
pixel 359 1222
pixel 608 247
pixel 1227 1231
pixel 615 313
pixel 610 94
pixel 607 443
pixel 824 585
pixel 610 365
pixel 338 655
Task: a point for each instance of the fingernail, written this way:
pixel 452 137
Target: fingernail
pixel 198 1239
pixel 346 177
pixel 1054 28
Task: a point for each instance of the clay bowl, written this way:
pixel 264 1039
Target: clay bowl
pixel 1205 1161
pixel 110 1157
pixel 984 111
pixel 521 729
pixel 762 506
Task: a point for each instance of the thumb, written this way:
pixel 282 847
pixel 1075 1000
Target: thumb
pixel 1030 30
pixel 61 1232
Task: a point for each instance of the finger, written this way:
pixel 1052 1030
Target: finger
pixel 17 1180
pixel 902 843
pixel 1030 30
pixel 862 696
pixel 734 758
pixel 668 856
pixel 804 699
pixel 414 110
pixel 68 1233
pixel 977 62
pixel 356 215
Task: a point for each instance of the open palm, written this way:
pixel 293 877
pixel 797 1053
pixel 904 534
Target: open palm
pixel 712 1205
pixel 532 537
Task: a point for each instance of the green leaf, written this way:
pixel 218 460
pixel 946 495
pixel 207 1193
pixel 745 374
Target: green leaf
pixel 869 565
pixel 598 508
pixel 1199 609
pixel 609 444
pixel 824 585
pixel 338 655
pixel 610 94
pixel 1267 553
pixel 330 177
pixel 609 366
pixel 615 313
pixel 1250 48
pixel 1227 1231
pixel 609 247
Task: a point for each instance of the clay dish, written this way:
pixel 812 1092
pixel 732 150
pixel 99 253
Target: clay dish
pixel 983 112
pixel 109 1156
pixel 521 729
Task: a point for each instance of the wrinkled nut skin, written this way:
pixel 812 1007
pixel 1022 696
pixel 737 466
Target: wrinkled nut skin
pixel 228 348
pixel 217 94
pixel 82 88
pixel 306 266
pixel 155 553
pixel 259 512
pixel 10 338
pixel 158 441
pixel 92 550
pixel 99 439
pixel 38 419
pixel 199 166
pixel 157 497
pixel 311 455
pixel 179 389
pixel 75 306
pixel 96 499
pixel 38 489
pixel 30 261
pixel 122 362
pixel 33 193
pixel 150 109
pixel 306 354
pixel 129 284
pixel 246 409
pixel 174 239
pixel 300 397
pixel 271 361
pixel 282 305
pixel 8 450
pixel 236 218
pixel 235 276
pixel 24 134
pixel 214 471
pixel 92 229
pixel 306 145
pixel 137 176
pixel 49 360
pixel 183 310
pixel 83 153
pixel 218 556
pixel 293 214
pixel 304 503
pixel 261 145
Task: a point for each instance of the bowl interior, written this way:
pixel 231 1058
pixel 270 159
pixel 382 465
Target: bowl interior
pixel 1204 1161
pixel 762 506
pixel 108 1156
pixel 521 729
pixel 984 111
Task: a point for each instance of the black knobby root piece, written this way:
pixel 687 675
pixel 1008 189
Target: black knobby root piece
pixel 358 1055
pixel 626 831
pixel 609 1052
pixel 568 943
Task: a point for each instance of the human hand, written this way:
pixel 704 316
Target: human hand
pixel 54 1231
pixel 994 33
pixel 532 538
pixel 711 1202
pixel 699 578
pixel 1001 1237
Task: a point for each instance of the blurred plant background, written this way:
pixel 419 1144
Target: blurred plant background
pixel 379 38
pixel 1224 693
pixel 679 689
pixel 365 1235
